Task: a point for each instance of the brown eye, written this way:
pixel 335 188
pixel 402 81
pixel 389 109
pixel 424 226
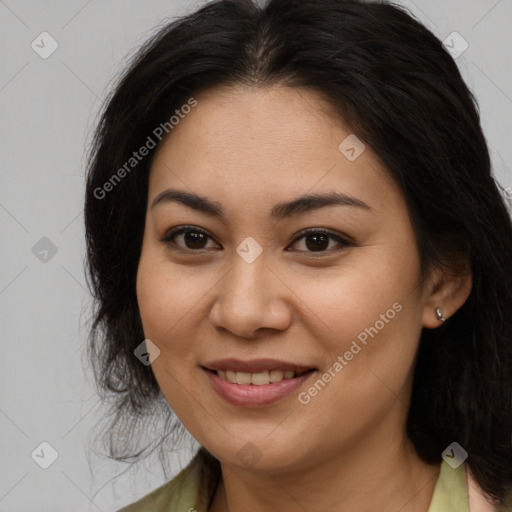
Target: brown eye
pixel 195 239
pixel 315 240
pixel 187 238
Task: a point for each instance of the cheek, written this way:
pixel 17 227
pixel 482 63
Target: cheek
pixel 371 328
pixel 163 300
pixel 364 322
pixel 173 301
pixel 370 315
pixel 165 303
pixel 353 297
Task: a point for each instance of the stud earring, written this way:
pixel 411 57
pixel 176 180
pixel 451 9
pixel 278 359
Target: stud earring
pixel 439 315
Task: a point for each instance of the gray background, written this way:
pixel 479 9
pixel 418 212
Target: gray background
pixel 48 109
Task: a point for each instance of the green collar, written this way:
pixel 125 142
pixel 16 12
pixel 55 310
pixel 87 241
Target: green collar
pixel 451 492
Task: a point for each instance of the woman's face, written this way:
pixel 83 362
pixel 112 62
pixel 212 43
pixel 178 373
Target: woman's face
pixel 245 283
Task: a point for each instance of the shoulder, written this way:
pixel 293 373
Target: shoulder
pixel 181 488
pixel 158 500
pixel 190 490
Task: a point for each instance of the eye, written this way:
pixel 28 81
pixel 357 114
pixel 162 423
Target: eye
pixel 191 238
pixel 319 240
pixel 312 240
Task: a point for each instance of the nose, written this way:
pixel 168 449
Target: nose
pixel 251 297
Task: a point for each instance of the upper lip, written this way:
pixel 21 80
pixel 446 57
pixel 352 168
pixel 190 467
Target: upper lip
pixel 254 365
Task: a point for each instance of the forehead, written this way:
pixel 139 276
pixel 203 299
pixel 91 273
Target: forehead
pixel 277 122
pixel 262 143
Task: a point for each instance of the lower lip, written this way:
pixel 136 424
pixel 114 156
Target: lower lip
pixel 250 395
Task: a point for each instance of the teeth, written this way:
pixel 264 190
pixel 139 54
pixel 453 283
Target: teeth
pixel 243 378
pixel 257 379
pixel 276 375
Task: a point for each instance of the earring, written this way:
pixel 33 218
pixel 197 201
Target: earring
pixel 439 315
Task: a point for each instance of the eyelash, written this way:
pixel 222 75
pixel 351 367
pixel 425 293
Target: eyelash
pixel 169 236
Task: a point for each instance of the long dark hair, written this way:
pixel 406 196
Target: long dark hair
pixel 394 84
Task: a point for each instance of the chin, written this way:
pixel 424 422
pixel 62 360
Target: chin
pixel 258 454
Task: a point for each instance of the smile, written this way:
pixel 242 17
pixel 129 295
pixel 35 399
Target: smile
pixel 257 379
pixel 257 383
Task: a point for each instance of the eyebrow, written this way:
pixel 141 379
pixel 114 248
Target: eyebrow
pixel 280 211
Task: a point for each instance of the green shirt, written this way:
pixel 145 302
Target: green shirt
pixel 193 488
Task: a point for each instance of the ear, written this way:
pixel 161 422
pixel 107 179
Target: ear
pixel 447 289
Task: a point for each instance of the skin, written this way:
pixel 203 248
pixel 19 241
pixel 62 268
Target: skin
pixel 248 149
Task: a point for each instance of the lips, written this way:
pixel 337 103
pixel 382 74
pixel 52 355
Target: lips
pixel 255 383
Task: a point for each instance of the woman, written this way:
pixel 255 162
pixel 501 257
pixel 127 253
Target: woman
pixel 295 239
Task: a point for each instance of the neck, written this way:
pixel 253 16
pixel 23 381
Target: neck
pixel 387 477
